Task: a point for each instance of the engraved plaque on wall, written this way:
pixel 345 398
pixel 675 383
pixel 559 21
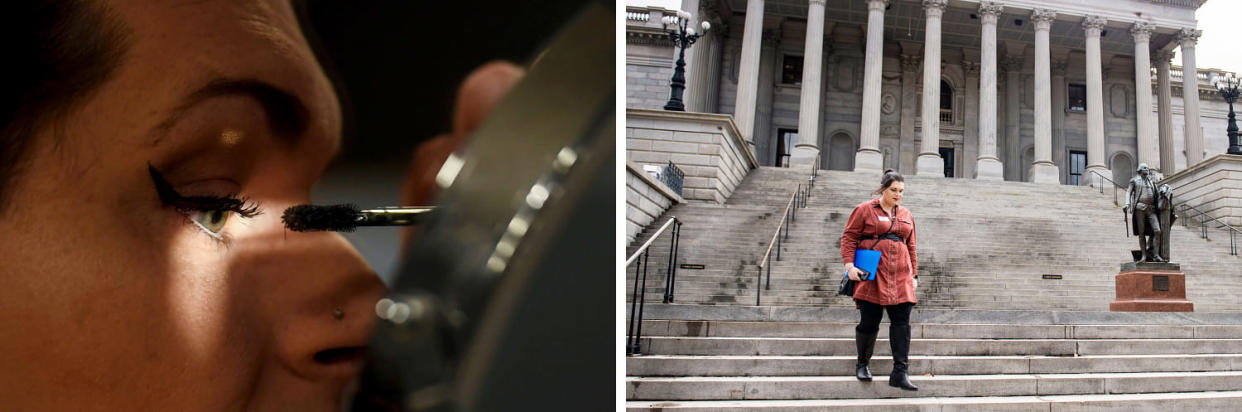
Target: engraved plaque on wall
pixel 1160 283
pixel 1118 100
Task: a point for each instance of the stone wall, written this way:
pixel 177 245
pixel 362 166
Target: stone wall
pixel 645 200
pixel 706 147
pixel 1214 186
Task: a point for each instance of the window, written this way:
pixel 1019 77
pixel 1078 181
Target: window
pixel 1077 164
pixel 791 71
pixel 946 102
pixel 785 140
pixel 1077 100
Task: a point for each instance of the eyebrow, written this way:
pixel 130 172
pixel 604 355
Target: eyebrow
pixel 286 113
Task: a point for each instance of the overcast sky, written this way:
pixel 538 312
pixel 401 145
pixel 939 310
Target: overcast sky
pixel 1216 49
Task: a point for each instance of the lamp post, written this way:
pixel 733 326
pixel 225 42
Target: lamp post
pixel 682 35
pixel 1228 87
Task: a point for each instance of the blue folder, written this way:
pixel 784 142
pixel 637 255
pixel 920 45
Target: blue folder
pixel 867 260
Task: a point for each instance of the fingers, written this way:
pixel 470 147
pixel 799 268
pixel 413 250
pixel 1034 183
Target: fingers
pixel 481 90
pixel 476 97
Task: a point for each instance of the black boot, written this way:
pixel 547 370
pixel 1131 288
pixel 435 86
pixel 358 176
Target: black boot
pixel 866 344
pixel 899 340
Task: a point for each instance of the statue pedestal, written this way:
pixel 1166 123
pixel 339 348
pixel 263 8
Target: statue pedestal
pixel 1151 287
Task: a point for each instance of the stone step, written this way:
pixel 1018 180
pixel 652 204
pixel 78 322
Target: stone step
pixel 922 315
pixel 845 329
pixel 683 365
pixel 659 345
pixel 1166 401
pixel 847 387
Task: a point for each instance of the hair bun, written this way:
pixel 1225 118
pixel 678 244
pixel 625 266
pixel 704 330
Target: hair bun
pixel 887 171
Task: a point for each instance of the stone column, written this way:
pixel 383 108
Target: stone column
pixel 764 136
pixel 748 72
pixel 869 157
pixel 906 152
pixel 1095 98
pixel 1013 117
pixel 1142 92
pixel 1043 170
pixel 804 152
pixel 930 163
pixel 1164 98
pixel 988 166
pixel 970 136
pixel 1058 115
pixel 1190 96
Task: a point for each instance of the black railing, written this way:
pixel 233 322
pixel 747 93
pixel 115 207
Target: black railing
pixel 1101 185
pixel 797 200
pixel 672 177
pixel 1203 219
pixel 642 256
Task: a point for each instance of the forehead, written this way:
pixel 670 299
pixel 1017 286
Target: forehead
pixel 178 47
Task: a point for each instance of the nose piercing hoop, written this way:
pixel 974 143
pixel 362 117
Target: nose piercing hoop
pixel 338 314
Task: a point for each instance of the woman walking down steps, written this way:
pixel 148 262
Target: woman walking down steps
pixel 881 224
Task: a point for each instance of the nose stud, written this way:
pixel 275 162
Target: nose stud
pixel 338 314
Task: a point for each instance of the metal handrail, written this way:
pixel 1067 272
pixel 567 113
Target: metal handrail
pixel 642 255
pixel 1115 185
pixel 797 198
pixel 1203 218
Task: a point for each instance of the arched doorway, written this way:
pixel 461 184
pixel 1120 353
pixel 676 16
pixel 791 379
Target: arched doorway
pixel 1123 168
pixel 841 152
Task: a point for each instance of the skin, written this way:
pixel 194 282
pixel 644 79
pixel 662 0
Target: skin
pixel 112 301
pixel 889 198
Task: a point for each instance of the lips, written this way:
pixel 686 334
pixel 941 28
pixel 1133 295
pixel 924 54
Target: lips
pixel 343 360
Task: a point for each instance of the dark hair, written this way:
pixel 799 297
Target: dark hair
pixel 62 51
pixel 890 176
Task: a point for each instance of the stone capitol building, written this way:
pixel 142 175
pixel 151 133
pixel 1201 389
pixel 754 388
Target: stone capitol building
pixel 1040 91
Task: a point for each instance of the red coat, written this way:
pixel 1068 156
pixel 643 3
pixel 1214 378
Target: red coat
pixel 894 281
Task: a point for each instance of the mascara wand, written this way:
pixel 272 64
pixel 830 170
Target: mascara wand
pixel 347 217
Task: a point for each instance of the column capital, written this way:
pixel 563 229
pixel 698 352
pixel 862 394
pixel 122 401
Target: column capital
pixel 1092 25
pixel 1043 18
pixel 877 4
pixel 1188 37
pixel 1162 56
pixel 971 68
pixel 1059 67
pixel 1141 31
pixel 989 11
pixel 1012 63
pixel 935 7
pixel 910 63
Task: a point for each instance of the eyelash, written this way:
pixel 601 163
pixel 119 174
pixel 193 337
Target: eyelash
pixel 230 203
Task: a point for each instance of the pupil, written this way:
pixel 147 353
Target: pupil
pixel 215 216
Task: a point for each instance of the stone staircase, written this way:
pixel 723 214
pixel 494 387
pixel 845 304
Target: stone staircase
pixel 791 359
pixel 982 245
pixel 990 332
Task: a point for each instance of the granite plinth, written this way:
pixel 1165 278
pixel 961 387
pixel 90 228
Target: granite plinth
pixel 1150 266
pixel 1144 287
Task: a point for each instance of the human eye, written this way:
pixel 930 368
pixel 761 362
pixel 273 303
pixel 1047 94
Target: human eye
pixel 209 212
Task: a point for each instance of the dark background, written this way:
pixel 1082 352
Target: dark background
pixel 397 64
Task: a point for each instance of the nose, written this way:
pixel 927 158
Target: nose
pixel 318 296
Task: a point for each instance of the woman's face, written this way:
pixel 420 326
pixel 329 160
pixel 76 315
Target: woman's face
pixel 119 296
pixel 892 194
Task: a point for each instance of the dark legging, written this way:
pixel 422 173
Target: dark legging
pixel 898 316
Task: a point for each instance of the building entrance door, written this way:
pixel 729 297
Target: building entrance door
pixel 946 154
pixel 1077 164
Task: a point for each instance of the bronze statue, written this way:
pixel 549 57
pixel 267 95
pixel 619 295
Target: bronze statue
pixel 1152 217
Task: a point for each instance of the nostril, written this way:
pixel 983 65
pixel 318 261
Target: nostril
pixel 341 355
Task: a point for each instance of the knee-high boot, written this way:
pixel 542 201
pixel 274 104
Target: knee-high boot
pixel 866 345
pixel 899 340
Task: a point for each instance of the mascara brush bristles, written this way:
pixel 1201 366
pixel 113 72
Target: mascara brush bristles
pixel 347 217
